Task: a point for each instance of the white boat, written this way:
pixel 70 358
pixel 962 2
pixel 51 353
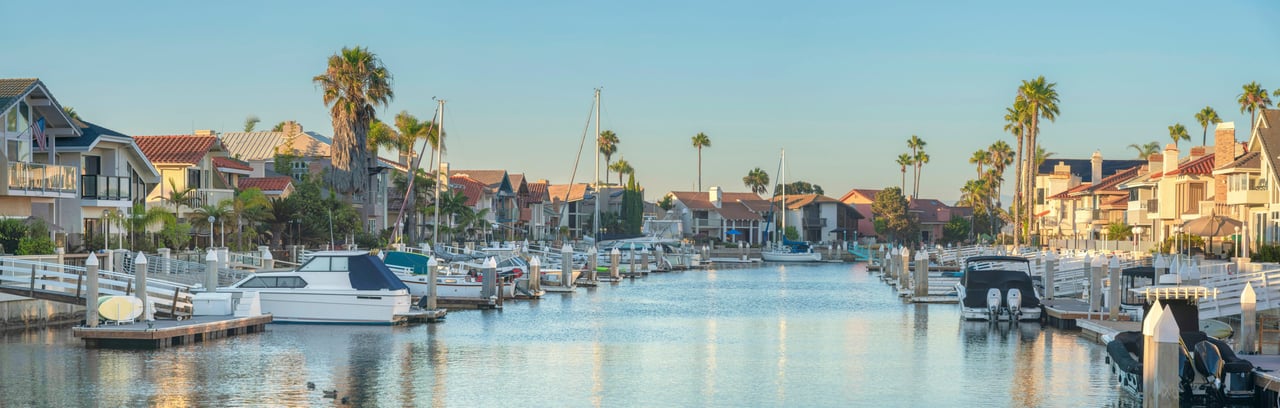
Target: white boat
pixel 349 287
pixel 998 288
pixel 459 280
pixel 783 249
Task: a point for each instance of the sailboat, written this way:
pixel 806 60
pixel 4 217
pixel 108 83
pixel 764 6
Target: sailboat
pixel 783 249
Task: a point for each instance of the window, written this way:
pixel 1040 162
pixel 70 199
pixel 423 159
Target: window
pixel 316 264
pixel 92 165
pixel 275 282
pixel 193 178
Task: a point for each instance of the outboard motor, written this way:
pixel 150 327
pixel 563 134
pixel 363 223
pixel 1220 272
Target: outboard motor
pixel 1014 303
pixel 1229 375
pixel 993 303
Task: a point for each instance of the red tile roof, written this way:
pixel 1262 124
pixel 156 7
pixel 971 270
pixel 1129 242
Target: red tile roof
pixel 537 190
pixel 470 187
pixel 179 149
pixel 795 202
pixel 1070 191
pixel 266 183
pixel 859 196
pixel 1200 166
pixel 229 163
pixel 733 206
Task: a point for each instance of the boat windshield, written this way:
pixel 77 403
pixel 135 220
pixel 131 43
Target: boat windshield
pixel 326 264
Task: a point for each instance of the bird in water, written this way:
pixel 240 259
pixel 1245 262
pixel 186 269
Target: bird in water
pixel 331 394
pixel 311 385
pixel 346 400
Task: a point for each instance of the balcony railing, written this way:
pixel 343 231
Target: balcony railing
pixel 707 223
pixel 96 187
pixel 1153 205
pixel 814 222
pixel 210 196
pixel 42 177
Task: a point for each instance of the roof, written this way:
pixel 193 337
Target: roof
pixel 229 163
pixel 1072 191
pixel 1106 185
pixel 13 88
pixel 1083 167
pixel 469 187
pixel 1198 166
pixel 860 196
pixel 929 209
pixel 1247 161
pixel 537 192
pixel 180 149
pixel 517 181
pixel 701 200
pixel 798 201
pixel 490 178
pixel 1268 133
pixel 567 192
pixel 737 211
pixel 264 145
pixel 1116 202
pixel 265 184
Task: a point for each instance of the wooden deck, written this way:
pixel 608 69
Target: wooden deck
pixel 168 333
pixel 935 299
pixel 1063 313
pixel 1094 329
pixel 468 303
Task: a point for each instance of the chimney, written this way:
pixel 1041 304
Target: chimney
pixel 1224 152
pixel 713 195
pixel 1170 158
pixel 205 132
pixel 1155 163
pixel 1198 151
pixel 1061 170
pixel 1095 167
pixel 291 128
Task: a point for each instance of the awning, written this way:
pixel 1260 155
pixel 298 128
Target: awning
pixel 1042 213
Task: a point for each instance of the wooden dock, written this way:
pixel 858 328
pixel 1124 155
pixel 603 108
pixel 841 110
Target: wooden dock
pixel 1063 313
pixel 168 333
pixel 1095 329
pixel 417 315
pixel 467 303
pixel 944 299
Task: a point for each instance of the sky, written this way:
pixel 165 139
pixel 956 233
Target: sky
pixel 839 85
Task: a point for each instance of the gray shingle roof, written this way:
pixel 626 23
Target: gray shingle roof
pixel 13 88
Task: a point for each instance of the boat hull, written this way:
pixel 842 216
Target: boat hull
pixel 770 256
pixel 342 307
pixel 450 287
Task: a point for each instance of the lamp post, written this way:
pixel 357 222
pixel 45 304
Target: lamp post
pixel 1177 240
pixel 1237 239
pixel 212 219
pixel 106 229
pixel 120 238
pixel 1137 238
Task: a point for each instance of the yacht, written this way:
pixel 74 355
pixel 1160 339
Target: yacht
pixel 347 287
pixel 790 251
pixel 998 288
pixel 460 279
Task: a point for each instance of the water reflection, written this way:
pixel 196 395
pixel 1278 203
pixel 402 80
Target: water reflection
pixel 817 335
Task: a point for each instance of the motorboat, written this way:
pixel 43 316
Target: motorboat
pixel 460 279
pixel 790 251
pixel 998 288
pixel 348 287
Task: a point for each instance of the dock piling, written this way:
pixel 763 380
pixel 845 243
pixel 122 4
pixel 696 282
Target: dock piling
pixel 1149 345
pixel 433 270
pixel 535 274
pixel 592 260
pixel 1113 295
pixel 921 287
pixel 1095 283
pixel 566 266
pixel 490 274
pixel 614 258
pixel 1050 268
pixel 1248 320
pixel 904 275
pixel 211 271
pixel 1164 392
pixel 140 274
pixel 91 298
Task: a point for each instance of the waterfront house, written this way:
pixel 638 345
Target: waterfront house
pixel 187 162
pixel 115 174
pixel 715 214
pixel 1084 210
pixel 933 216
pixel 499 197
pixel 570 209
pixel 1263 221
pixel 819 218
pixel 1175 191
pixel 1057 176
pixel 309 151
pixel 534 209
pixel 32 179
pixel 271 187
pixel 861 200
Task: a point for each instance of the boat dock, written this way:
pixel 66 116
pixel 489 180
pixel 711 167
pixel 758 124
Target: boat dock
pixel 417 315
pixel 468 303
pixel 1066 313
pixel 167 333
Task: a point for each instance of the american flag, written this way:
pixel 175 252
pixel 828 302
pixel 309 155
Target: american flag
pixel 37 133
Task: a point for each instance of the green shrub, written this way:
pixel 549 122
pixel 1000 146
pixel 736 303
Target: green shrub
pixel 35 246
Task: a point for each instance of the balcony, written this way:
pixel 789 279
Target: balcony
pixel 96 187
pixel 814 222
pixel 1138 205
pixel 707 223
pixel 210 196
pixel 1153 206
pixel 38 179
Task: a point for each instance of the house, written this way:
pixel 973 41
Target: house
pixel 310 150
pixel 187 162
pixel 1175 191
pixel 715 214
pixel 532 198
pixel 820 218
pixel 1262 222
pixel 1083 210
pixel 499 197
pixel 861 200
pixel 1057 176
pixel 272 187
pixel 115 174
pixel 933 216
pixel 570 208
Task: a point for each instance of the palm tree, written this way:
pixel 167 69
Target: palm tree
pixel 1178 132
pixel 179 198
pixel 608 146
pixel 621 167
pixel 904 160
pixel 920 160
pixel 280 212
pixel 1253 99
pixel 1146 150
pixel 757 181
pixel 1015 118
pixel 354 82
pixel 700 141
pixel 248 208
pixel 916 144
pixel 71 112
pixel 979 158
pixel 410 130
pixel 141 218
pixel 250 122
pixel 380 135
pixel 208 215
pixel 1206 117
pixel 1042 156
pixel 1042 102
pixel 1000 156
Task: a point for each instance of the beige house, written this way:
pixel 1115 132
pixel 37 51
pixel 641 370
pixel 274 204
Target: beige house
pixel 718 214
pixel 188 162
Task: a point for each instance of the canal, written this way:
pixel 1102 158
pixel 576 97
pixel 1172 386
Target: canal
pixel 796 335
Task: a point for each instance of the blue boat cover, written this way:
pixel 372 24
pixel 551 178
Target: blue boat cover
pixel 417 262
pixel 369 273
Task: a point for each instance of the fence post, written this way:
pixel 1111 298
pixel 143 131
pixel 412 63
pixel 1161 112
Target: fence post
pixel 268 262
pixel 165 257
pixel 140 273
pixel 211 271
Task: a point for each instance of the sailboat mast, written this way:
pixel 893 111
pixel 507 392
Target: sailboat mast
pixel 782 176
pixel 441 185
pixel 595 220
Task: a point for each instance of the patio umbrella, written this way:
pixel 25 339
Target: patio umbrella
pixel 1211 226
pixel 733 232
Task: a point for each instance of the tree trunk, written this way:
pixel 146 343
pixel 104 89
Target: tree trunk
pixel 700 170
pixel 1032 171
pixel 1017 194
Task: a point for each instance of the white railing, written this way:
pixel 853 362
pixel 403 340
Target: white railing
pixel 42 177
pixel 70 280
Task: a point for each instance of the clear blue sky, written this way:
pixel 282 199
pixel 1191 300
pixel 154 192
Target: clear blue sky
pixel 840 85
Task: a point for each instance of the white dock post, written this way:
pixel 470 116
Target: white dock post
pixel 566 266
pixel 1095 284
pixel 535 274
pixel 904 276
pixel 742 251
pixel 269 261
pixel 886 265
pixel 1050 268
pixel 1248 320
pixel 644 259
pixel 922 274
pixel 1149 345
pixel 1161 263
pixel 592 261
pixel 211 271
pixel 119 258
pixel 1113 296
pixel 91 295
pixel 140 275
pixel 614 258
pixel 165 257
pixel 489 273
pixel 1165 370
pixel 433 271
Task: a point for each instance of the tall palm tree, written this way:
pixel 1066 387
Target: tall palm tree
pixel 1000 156
pixel 981 159
pixel 916 144
pixel 250 122
pixel 1146 150
pixel 380 135
pixel 1206 117
pixel 1178 132
pixel 608 146
pixel 757 181
pixel 409 131
pixel 208 215
pixel 248 208
pixel 621 167
pixel 1042 102
pixel 920 160
pixel 141 218
pixel 1042 156
pixel 1015 118
pixel 179 198
pixel 904 160
pixel 71 112
pixel 354 83
pixel 1253 98
pixel 700 141
pixel 280 212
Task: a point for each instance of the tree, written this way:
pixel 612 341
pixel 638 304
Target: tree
pixel 621 167
pixel 799 187
pixel 1015 118
pixel 140 219
pixel 757 181
pixel 1146 150
pixel 209 215
pixel 179 198
pixel 380 135
pixel 608 146
pixel 248 208
pixel 920 160
pixel 71 112
pixel 667 203
pixel 916 144
pixel 354 82
pixel 904 160
pixel 632 206
pixel 1001 156
pixel 1042 156
pixel 250 122
pixel 280 212
pixel 410 131
pixel 1178 132
pixel 890 205
pixel 1206 117
pixel 279 127
pixel 979 158
pixel 956 230
pixel 700 141
pixel 1253 99
pixel 1119 230
pixel 1041 98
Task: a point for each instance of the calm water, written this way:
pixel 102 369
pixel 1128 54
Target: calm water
pixel 822 335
